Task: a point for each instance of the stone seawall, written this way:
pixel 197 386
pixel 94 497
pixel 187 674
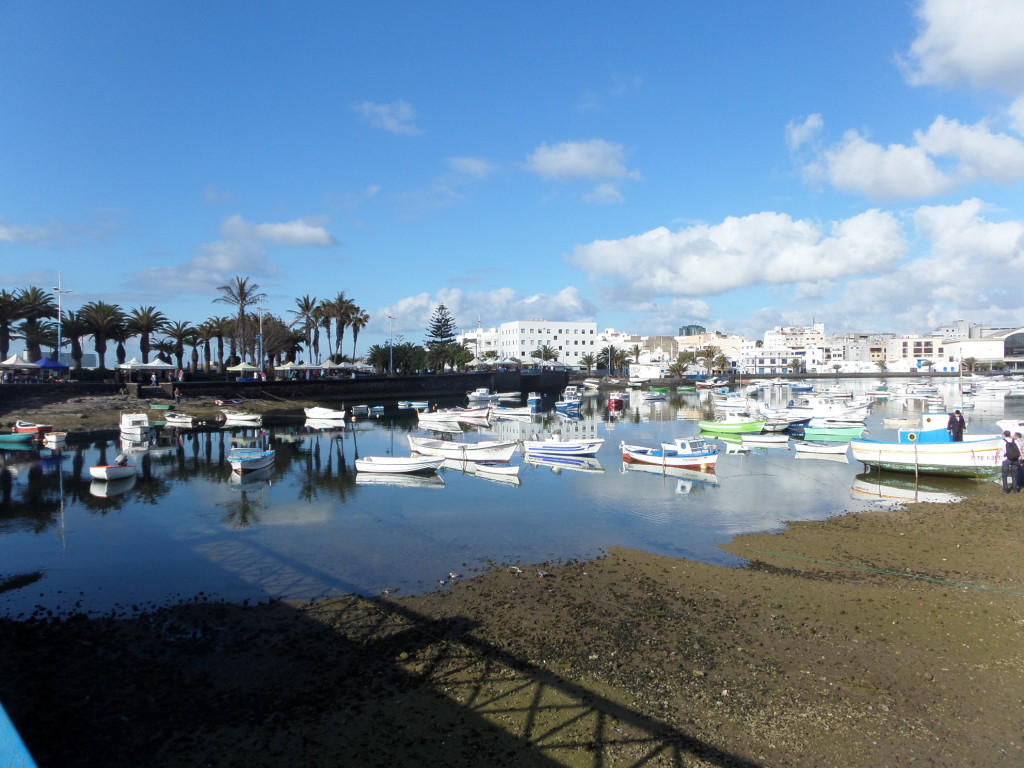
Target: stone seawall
pixel 370 389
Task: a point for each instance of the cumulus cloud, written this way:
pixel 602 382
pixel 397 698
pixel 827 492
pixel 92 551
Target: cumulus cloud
pixel 395 117
pixel 595 159
pixel 763 248
pixel 243 250
pixel 299 232
pixel 799 134
pixel 980 42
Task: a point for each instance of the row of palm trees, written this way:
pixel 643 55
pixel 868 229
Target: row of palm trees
pixel 30 315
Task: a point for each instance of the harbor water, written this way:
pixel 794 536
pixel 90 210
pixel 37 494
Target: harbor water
pixel 310 526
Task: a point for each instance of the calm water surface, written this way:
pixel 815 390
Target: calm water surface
pixel 311 526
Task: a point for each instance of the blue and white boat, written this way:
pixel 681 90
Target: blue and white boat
pixel 558 447
pixel 929 450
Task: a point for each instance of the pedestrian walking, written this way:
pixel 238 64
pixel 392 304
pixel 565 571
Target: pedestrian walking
pixel 1009 454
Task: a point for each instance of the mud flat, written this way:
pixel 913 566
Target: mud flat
pixel 877 639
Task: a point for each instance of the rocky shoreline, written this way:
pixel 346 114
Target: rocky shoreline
pixel 872 639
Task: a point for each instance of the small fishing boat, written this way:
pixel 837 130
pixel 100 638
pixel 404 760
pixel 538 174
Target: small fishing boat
pixel 244 460
pixel 321 413
pixel 17 438
pixel 28 428
pixel 159 406
pixel 134 425
pixel 242 417
pixel 119 470
pixel 733 423
pixel 686 452
pixel 229 402
pixel 175 419
pixel 488 450
pixel 802 446
pixel 772 439
pixel 454 414
pixel 617 400
pixel 399 465
pixel 482 395
pixel 557 447
pixel 53 439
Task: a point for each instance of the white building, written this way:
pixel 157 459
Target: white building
pixel 521 338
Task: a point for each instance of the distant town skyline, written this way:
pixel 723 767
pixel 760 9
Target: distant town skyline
pixel 733 164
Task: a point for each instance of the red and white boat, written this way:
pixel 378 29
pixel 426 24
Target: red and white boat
pixel 27 427
pixel 119 470
pixel 616 401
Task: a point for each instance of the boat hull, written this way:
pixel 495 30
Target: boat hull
pixel 399 465
pixel 484 451
pixel 970 458
pixel 666 457
pixel 732 427
pixel 111 471
pixel 563 447
pixel 243 460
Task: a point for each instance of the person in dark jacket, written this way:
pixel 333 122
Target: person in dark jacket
pixel 956 426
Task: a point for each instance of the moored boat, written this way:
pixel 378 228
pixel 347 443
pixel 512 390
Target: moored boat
pixel 555 446
pixel 29 428
pixel 244 460
pixel 321 413
pixel 134 425
pixel 119 470
pixel 732 422
pixel 685 452
pixel 488 450
pixel 399 465
pixel 12 438
pixel 176 419
pixel 931 451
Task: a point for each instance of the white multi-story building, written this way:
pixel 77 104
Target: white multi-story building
pixel 571 340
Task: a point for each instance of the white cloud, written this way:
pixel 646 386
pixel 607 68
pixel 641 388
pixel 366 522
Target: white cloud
pixel 980 153
pixel 883 173
pixel 593 159
pixel 19 234
pixel 472 167
pixel 763 248
pixel 980 42
pixel 396 117
pixel 606 193
pixel 298 232
pixel 799 134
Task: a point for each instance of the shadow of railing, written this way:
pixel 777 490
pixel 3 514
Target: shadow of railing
pixel 347 681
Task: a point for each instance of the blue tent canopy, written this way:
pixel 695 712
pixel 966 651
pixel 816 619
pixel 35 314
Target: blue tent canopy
pixel 50 365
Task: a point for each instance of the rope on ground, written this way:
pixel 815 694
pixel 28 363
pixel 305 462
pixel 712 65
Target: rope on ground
pixel 885 572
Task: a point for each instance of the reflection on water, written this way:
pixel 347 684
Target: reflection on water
pixel 310 525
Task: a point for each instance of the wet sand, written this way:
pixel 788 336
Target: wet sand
pixel 873 639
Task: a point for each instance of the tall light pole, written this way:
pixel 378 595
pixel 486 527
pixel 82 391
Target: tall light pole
pixel 60 292
pixel 391 347
pixel 261 334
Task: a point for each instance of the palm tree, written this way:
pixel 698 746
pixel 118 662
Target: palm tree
pixel 634 353
pixel 73 329
pixel 220 327
pixel 341 311
pixel 144 322
pixel 307 321
pixel 179 334
pixel 359 319
pixel 606 358
pixel 589 360
pixel 968 362
pixel 34 304
pixel 102 320
pixel 706 356
pixel 325 317
pixel 10 313
pixel 241 294
pixel 206 332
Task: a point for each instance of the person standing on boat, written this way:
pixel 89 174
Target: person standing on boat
pixel 1009 457
pixel 956 426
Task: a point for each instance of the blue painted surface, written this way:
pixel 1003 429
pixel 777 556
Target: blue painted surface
pixel 13 752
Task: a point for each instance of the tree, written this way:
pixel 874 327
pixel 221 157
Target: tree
pixel 545 353
pixel 359 319
pixel 589 360
pixel 102 320
pixel 180 334
pixel 10 313
pixel 220 327
pixel 241 294
pixel 308 323
pixel 34 304
pixel 882 365
pixel 340 310
pixel 967 362
pixel 73 329
pixel 634 353
pixel 144 322
pixel 606 359
pixel 440 342
pixel 706 356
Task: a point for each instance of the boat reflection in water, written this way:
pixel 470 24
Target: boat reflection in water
pixel 105 489
pixel 687 480
pixel 558 463
pixel 401 481
pixel 896 490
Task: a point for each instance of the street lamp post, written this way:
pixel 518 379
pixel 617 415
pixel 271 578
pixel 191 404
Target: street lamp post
pixel 60 292
pixel 391 347
pixel 261 336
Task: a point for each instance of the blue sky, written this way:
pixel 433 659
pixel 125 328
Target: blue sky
pixel 735 164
